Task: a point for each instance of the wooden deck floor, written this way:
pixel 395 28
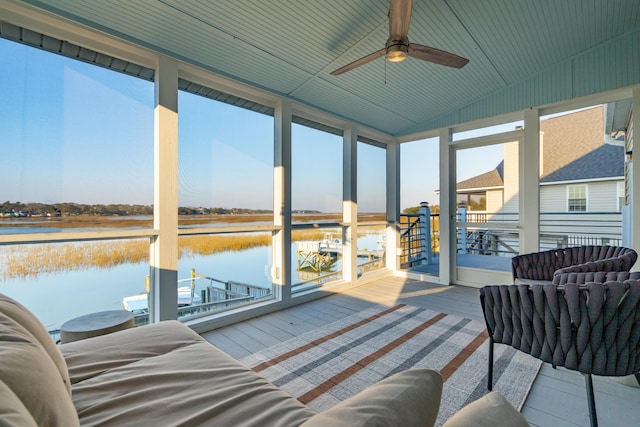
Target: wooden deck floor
pixel 557 398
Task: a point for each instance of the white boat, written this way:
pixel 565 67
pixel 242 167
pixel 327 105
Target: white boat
pixel 139 304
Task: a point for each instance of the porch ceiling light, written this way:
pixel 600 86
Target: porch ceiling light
pixel 397 52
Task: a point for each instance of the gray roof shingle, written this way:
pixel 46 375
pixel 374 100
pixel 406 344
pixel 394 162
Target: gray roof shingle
pixel 573 148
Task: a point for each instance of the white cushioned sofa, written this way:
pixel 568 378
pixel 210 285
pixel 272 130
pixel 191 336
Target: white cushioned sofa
pixel 167 375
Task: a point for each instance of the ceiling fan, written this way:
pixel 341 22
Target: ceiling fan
pixel 398 47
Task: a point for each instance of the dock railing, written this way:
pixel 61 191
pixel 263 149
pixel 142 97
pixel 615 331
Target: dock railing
pixel 419 237
pixel 214 295
pixel 419 233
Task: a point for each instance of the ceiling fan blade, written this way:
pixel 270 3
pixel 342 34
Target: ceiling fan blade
pixel 359 62
pixel 399 19
pixel 436 56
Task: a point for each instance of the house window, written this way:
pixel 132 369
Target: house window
pixel 577 198
pixel 473 201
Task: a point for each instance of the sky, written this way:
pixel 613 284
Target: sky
pixel 73 132
pixel 420 166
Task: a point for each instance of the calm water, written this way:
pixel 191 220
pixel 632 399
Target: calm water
pixel 56 298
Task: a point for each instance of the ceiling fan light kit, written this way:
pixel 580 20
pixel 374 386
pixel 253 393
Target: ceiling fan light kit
pixel 396 51
pixel 398 47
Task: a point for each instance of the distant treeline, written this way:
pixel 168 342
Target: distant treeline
pixel 18 209
pixel 220 211
pixel 414 210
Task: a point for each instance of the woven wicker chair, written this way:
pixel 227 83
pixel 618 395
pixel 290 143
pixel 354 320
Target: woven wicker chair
pixel 593 328
pixel 542 267
pixel 596 276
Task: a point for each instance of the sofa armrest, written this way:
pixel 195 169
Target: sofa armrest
pixel 492 410
pixel 408 398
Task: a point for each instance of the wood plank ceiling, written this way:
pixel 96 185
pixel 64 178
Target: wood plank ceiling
pixel 522 52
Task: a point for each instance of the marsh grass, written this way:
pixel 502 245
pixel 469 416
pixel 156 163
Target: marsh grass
pixel 21 261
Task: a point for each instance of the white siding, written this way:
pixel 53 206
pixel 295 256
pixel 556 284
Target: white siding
pixel 602 197
pixel 553 198
pixel 494 200
pixel 629 147
pixel 511 177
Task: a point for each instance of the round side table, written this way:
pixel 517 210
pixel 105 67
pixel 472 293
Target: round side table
pixel 95 324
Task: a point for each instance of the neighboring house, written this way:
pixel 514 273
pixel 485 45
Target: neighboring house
pixel 618 122
pixel 582 170
pixel 582 184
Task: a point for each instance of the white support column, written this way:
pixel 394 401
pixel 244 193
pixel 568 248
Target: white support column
pixel 350 204
pixel 281 272
pixel 529 152
pixel 635 174
pixel 164 247
pixel 447 208
pixel 393 206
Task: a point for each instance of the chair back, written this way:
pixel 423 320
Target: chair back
pixel 592 328
pixel 543 265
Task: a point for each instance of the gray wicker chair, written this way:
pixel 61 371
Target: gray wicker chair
pixel 542 267
pixel 581 278
pixel 593 328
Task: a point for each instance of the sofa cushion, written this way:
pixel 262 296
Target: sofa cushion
pixel 408 398
pixel 492 410
pixel 166 374
pixel 28 371
pixel 24 317
pixel 12 411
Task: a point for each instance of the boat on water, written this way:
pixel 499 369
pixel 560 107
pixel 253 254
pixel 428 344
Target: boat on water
pixel 139 304
pixel 203 294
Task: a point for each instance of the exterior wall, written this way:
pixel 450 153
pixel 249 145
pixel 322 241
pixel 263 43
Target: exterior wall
pixel 601 197
pixel 511 177
pixel 494 200
pixel 627 210
pixel 553 198
pixel 627 166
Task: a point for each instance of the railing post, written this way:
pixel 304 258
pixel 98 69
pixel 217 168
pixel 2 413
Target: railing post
pixel 193 284
pixel 425 233
pixel 462 231
pixel 147 287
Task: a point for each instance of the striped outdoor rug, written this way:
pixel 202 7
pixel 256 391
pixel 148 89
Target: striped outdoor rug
pixel 325 366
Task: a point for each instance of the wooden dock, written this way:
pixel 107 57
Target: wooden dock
pixel 321 255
